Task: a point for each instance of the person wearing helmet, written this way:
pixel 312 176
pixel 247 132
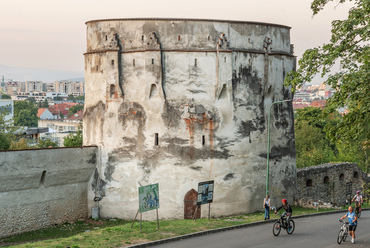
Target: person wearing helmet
pixel 288 209
pixel 358 201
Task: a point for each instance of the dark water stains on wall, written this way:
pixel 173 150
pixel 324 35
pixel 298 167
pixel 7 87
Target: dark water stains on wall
pixel 177 141
pixel 278 152
pixel 171 114
pixel 243 79
pixel 98 184
pixel 109 169
pixel 229 176
pixel 192 154
pixel 92 160
pixel 197 168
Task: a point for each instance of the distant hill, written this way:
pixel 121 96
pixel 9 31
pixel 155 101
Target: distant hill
pixel 38 74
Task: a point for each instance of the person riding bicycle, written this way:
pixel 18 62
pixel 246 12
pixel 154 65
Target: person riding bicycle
pixel 288 210
pixel 352 219
pixel 358 199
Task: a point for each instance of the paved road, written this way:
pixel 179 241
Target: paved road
pixel 319 231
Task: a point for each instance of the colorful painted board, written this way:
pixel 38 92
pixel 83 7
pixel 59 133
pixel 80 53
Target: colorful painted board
pixel 205 192
pixel 148 197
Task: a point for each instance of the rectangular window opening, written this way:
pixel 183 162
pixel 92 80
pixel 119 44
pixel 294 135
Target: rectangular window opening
pixel 203 140
pixel 152 61
pixel 179 37
pixel 97 68
pixel 112 61
pixel 142 37
pixel 225 59
pixel 156 139
pixel 195 62
pixel 133 62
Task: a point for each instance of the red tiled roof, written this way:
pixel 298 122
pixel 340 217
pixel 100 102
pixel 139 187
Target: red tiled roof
pixel 77 116
pixel 318 104
pixel 40 111
pixel 53 110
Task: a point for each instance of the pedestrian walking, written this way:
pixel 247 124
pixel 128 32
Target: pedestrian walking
pixel 267 205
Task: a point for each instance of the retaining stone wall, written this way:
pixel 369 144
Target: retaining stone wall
pixel 329 183
pixel 43 187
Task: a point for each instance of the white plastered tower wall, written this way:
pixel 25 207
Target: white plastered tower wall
pixel 178 102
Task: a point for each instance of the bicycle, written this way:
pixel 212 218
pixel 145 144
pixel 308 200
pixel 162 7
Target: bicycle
pixel 343 233
pixel 282 223
pixel 357 210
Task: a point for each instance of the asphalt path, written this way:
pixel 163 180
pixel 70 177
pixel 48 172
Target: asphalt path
pixel 317 231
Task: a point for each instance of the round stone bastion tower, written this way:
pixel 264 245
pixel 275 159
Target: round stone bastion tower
pixel 182 101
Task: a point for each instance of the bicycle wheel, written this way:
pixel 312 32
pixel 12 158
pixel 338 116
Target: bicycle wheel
pixel 340 236
pixel 276 228
pixel 291 226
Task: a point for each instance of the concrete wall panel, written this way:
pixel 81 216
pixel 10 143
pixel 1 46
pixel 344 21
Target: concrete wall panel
pixel 43 187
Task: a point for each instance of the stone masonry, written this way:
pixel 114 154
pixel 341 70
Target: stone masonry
pixel 181 101
pixel 332 183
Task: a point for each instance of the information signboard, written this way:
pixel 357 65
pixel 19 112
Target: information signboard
pixel 205 192
pixel 148 197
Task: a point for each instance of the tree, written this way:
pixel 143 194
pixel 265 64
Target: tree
pixel 61 115
pixel 70 98
pixel 4 142
pixel 349 46
pixel 19 145
pixel 80 98
pixel 312 115
pixel 74 109
pixel 311 146
pixel 72 140
pixel 5 96
pixel 46 143
pixel 31 99
pixel 44 104
pixel 7 129
pixel 25 114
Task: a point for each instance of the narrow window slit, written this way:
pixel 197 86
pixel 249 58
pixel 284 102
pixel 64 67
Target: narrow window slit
pixel 203 140
pixel 133 62
pixel 156 139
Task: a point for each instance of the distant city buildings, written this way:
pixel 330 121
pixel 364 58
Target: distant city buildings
pixel 40 91
pixel 314 96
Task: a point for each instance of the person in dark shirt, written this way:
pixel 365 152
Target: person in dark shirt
pixel 288 210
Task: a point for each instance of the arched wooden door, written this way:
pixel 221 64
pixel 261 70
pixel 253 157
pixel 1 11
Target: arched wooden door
pixel 190 204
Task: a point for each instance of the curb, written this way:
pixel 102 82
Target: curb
pixel 222 229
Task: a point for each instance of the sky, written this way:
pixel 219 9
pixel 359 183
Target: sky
pixel 51 34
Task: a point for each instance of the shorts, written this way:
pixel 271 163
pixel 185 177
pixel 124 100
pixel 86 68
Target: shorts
pixel 352 228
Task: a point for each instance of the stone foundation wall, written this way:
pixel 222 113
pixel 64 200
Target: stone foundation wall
pixel 43 187
pixel 332 183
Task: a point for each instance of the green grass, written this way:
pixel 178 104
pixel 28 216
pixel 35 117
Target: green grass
pixel 105 233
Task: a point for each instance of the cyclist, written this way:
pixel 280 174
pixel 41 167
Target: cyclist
pixel 358 201
pixel 352 218
pixel 288 210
